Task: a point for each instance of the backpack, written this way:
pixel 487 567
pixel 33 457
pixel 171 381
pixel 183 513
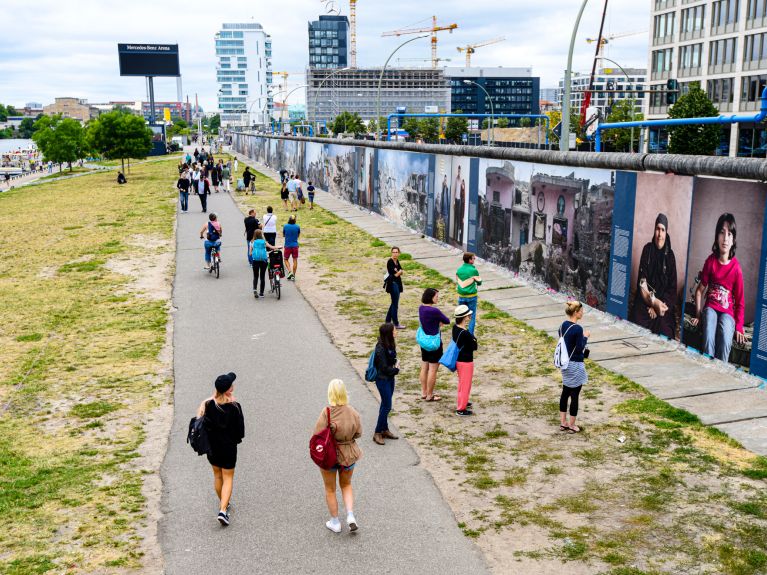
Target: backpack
pixel 561 357
pixel 371 373
pixel 197 436
pixel 322 447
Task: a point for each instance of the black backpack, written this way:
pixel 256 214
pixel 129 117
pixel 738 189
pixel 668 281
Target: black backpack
pixel 197 436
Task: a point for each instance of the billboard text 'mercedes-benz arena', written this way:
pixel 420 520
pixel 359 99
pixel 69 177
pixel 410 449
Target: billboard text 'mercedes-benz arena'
pixel 149 59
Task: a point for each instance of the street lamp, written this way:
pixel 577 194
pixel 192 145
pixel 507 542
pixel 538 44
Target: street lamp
pixel 317 94
pixel 564 138
pixel 258 100
pixel 491 131
pixel 633 111
pixel 285 98
pixel 380 79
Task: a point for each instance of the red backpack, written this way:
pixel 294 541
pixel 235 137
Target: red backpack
pixel 322 447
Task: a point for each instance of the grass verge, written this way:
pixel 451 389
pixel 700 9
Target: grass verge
pixel 80 369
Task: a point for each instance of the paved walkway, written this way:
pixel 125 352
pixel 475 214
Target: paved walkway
pixel 732 401
pixel 283 359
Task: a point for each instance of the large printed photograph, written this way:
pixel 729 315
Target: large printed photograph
pixel 659 252
pixel 723 271
pixel 403 187
pixel 365 177
pixel 458 192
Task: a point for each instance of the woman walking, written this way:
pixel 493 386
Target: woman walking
pixel 574 375
pixel 431 319
pixel 393 285
pixel 346 427
pixel 387 365
pixel 258 256
pixel 226 428
pixel 464 365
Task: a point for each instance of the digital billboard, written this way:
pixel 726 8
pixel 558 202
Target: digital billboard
pixel 148 59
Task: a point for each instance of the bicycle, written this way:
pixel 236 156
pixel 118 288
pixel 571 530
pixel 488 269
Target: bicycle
pixel 215 262
pixel 276 271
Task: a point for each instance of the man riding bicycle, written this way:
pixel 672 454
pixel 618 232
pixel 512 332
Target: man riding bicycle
pixel 213 233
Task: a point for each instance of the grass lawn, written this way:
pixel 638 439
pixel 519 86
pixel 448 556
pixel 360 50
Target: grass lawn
pixel 644 489
pixel 80 369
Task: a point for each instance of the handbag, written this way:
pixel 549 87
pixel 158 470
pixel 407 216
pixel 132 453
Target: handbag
pixel 322 447
pixel 450 357
pixel 426 341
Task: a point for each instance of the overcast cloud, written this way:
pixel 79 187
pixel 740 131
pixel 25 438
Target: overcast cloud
pixel 65 48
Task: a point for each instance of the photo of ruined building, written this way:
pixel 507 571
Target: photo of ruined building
pixel 403 184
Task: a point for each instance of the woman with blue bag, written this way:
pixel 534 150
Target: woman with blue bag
pixel 466 344
pixel 429 338
pixel 386 366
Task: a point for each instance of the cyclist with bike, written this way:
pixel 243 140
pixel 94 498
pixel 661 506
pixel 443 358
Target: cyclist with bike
pixel 213 232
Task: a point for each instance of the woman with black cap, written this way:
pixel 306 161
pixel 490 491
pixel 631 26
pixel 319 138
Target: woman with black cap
pixel 226 428
pixel 656 292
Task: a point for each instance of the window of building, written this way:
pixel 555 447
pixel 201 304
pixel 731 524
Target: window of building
pixel 756 9
pixel 752 87
pixel 755 47
pixel 663 25
pixel 722 52
pixel 692 19
pixel 724 12
pixel 661 60
pixel 689 56
pixel 720 90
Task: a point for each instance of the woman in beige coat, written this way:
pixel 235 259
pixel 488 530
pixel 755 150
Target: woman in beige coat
pixel 346 426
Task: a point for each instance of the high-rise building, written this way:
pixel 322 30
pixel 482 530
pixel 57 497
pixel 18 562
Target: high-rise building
pixel 244 74
pixel 356 90
pixel 606 89
pixel 329 42
pixel 722 44
pixel 512 90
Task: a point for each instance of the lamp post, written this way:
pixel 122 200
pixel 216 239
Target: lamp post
pixel 380 79
pixel 633 111
pixel 263 110
pixel 317 94
pixel 258 100
pixel 285 98
pixel 491 131
pixel 564 139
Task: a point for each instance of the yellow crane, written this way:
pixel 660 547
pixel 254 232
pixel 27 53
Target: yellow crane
pixel 609 38
pixel 471 48
pixel 433 31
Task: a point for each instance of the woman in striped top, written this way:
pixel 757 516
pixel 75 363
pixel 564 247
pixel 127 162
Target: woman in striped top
pixel 574 375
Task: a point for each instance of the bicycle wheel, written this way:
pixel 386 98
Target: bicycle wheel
pixel 271 282
pixel 218 268
pixel 277 287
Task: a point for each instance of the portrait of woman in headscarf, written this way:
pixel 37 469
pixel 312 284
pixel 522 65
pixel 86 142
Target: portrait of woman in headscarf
pixel 656 291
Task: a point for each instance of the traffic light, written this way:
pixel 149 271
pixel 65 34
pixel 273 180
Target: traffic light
pixel 672 91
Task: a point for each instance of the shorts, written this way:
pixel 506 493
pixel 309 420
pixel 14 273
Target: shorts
pixel 311 197
pixel 338 467
pixel 432 356
pixel 293 196
pixel 284 195
pixel 287 252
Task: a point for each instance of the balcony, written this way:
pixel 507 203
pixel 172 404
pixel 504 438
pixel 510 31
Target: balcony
pixel 688 72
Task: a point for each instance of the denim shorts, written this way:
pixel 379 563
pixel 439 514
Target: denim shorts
pixel 338 467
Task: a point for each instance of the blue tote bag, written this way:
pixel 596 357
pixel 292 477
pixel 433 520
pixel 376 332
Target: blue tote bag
pixel 450 356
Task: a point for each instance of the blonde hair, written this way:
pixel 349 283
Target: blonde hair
pixel 337 393
pixel 573 307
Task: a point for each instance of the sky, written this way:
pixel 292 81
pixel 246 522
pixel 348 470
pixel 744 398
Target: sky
pixel 67 48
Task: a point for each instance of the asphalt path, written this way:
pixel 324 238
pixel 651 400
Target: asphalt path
pixel 283 358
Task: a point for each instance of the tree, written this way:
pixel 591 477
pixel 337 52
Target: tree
pixel 347 122
pixel 428 129
pixel 504 122
pixel 700 139
pixel 412 126
pixel 27 128
pixel 120 135
pixel 60 139
pixel 456 128
pixel 379 126
pixel 214 124
pixel 619 140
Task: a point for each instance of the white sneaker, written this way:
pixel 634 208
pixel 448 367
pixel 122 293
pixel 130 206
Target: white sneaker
pixel 334 525
pixel 351 521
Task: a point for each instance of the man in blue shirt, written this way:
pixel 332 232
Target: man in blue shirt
pixel 290 232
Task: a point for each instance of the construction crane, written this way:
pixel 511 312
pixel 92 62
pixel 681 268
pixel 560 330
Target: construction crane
pixel 471 48
pixel 607 39
pixel 433 31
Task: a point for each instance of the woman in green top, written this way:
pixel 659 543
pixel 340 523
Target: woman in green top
pixel 467 279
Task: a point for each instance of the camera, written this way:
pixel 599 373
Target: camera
pixel 586 353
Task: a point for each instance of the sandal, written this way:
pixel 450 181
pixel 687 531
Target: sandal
pixel 563 428
pixel 423 397
pixel 575 429
pixel 435 398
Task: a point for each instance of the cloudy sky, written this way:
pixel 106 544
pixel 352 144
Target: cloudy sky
pixel 67 48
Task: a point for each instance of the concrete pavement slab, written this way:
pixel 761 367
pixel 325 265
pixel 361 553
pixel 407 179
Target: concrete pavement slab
pixel 725 407
pixel 752 433
pixel 538 312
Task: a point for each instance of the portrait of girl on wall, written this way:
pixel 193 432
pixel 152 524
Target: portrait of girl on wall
pixel 719 297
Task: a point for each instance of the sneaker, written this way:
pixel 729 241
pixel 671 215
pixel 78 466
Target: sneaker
pixel 469 405
pixel 351 521
pixel 399 326
pixel 464 412
pixel 255 295
pixel 223 518
pixel 334 525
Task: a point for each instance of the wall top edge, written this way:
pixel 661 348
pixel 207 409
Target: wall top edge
pixel 716 166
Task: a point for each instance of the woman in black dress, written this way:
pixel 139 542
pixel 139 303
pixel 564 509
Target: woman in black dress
pixel 656 294
pixel 226 428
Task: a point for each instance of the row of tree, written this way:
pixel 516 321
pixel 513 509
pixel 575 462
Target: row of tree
pixel 114 135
